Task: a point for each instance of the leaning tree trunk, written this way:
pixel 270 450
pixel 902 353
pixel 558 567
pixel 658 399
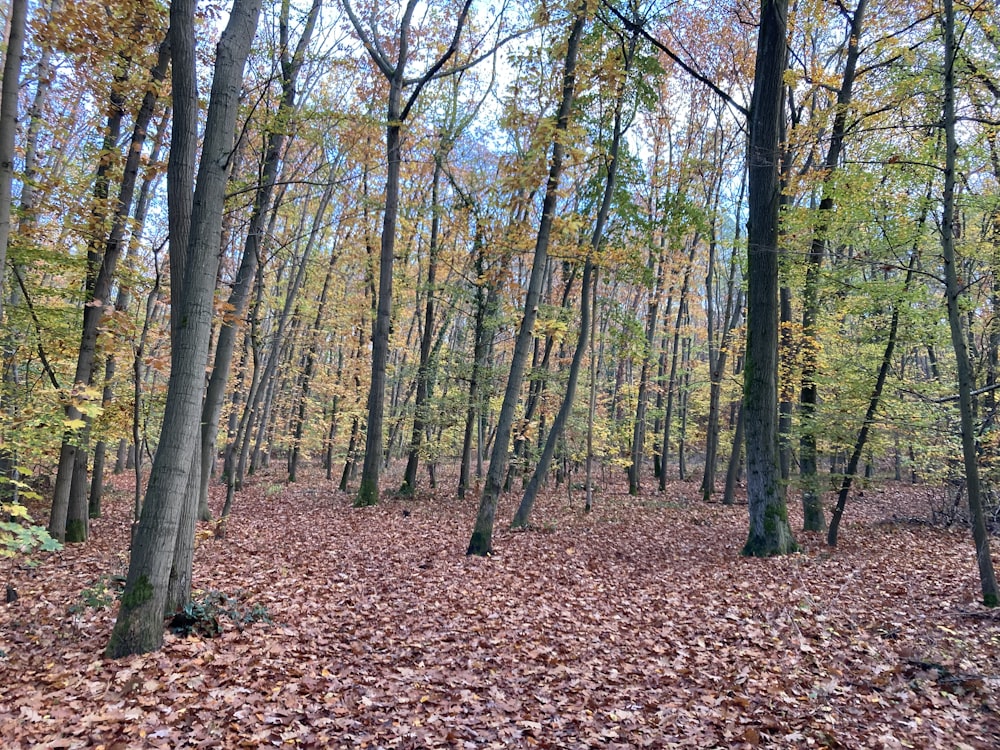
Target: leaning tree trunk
pixel 195 227
pixel 291 64
pixel 68 518
pixel 769 533
pixel 812 501
pixel 481 542
pixel 589 277
pixel 987 577
pixel 545 460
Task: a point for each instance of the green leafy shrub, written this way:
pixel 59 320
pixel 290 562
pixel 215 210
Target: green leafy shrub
pixel 201 616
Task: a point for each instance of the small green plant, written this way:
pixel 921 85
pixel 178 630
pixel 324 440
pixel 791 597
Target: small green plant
pixel 19 536
pixel 101 594
pixel 201 615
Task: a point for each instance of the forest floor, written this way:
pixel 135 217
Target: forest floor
pixel 638 625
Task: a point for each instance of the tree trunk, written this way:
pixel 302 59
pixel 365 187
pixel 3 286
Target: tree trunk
pixel 639 426
pixel 487 299
pixel 668 417
pixel 769 533
pixel 67 519
pixel 8 123
pixel 424 376
pixel 396 113
pixel 195 229
pixel 481 542
pixel 812 501
pixel 966 384
pixel 729 495
pixel 718 355
pixel 545 460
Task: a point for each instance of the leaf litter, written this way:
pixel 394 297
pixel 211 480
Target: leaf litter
pixel 638 625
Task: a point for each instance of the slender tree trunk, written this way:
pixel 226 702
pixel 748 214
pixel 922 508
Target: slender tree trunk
pixel 639 426
pixel 812 501
pixel 675 353
pixel 769 533
pixel 17 19
pixel 481 542
pixel 966 384
pixel 717 358
pixel 541 469
pixel 487 299
pixel 291 64
pixel 732 471
pixel 424 376
pixel 308 371
pixel 396 113
pixel 588 502
pixel 69 513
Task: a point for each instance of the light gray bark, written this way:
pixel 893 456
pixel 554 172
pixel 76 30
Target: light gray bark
pixel 194 255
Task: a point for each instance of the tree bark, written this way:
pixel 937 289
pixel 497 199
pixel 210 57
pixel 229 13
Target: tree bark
pixel 966 384
pixel 481 542
pixel 196 225
pixel 396 113
pixel 277 137
pixel 769 533
pixel 812 501
pixel 8 124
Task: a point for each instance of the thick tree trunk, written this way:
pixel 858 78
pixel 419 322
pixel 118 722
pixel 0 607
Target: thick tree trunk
pixel 196 225
pixel 481 542
pixel 769 533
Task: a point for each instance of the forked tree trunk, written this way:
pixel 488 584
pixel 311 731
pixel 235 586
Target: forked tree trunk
pixel 397 111
pixel 481 542
pixel 195 229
